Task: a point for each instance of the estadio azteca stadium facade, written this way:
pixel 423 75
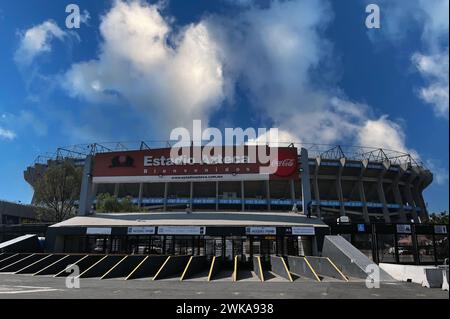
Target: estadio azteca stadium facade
pixel 233 200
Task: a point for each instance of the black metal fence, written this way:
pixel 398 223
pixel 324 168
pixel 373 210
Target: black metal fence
pixel 417 244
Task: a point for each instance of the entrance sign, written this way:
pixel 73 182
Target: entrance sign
pixel 403 229
pixel 141 230
pixel 300 230
pixel 440 229
pixel 98 231
pixel 261 230
pixel 181 230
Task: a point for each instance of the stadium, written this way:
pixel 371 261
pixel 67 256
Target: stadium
pixel 229 209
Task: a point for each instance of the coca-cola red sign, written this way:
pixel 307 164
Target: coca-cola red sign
pixel 286 163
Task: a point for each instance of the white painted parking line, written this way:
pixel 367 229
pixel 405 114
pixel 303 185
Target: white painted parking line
pixel 24 289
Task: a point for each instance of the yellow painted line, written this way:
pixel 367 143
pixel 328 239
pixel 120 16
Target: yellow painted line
pixel 337 269
pixel 211 268
pixel 287 270
pixel 137 267
pixel 64 270
pixel 26 257
pixel 37 273
pixel 235 269
pixel 34 263
pixel 260 268
pixel 185 269
pixel 111 269
pixel 161 268
pixel 79 276
pixel 312 269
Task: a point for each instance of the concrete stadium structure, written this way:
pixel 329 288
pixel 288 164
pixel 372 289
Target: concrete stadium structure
pixel 367 185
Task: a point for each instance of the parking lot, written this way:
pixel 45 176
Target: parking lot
pixel 27 286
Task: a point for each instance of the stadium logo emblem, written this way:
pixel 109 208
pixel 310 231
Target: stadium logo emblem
pixel 122 161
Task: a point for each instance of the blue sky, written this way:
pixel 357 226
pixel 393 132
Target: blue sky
pixel 135 70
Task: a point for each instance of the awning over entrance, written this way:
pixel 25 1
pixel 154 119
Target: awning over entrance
pixel 193 219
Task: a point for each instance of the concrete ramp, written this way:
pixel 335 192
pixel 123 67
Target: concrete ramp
pixel 12 259
pixel 124 267
pixel 349 260
pixel 23 263
pixel 195 265
pixel 257 268
pixel 215 268
pixel 59 265
pixel 22 244
pixel 172 267
pixel 279 267
pixel 148 267
pixel 101 267
pixel 324 267
pixel 301 267
pixel 40 264
pixel 82 264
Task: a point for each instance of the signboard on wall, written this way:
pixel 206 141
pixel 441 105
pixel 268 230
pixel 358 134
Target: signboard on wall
pixel 157 165
pixel 141 230
pixel 440 229
pixel 303 230
pixel 261 230
pixel 403 229
pixel 181 230
pixel 98 231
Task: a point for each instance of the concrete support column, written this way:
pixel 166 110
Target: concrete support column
pixel 362 198
pixel 417 195
pixel 242 195
pixel 410 198
pixel 339 188
pixel 305 180
pixel 268 195
pixel 166 190
pixel 292 185
pixel 116 189
pixel 84 208
pixel 362 193
pixel 141 190
pixel 316 188
pixel 398 196
pixel 217 196
pixel 381 195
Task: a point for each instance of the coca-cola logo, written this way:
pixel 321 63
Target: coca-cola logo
pixel 286 163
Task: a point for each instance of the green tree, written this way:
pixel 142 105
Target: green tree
pixel 438 218
pixel 107 203
pixel 57 191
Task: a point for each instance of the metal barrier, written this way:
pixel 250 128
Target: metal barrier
pixel 40 264
pixel 101 267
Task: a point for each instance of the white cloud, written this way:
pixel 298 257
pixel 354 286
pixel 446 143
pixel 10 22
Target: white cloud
pixel 36 41
pixel 384 133
pixel 440 174
pixel 170 84
pixel 6 134
pixel 432 16
pixel 435 69
pixel 171 77
pixel 22 121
